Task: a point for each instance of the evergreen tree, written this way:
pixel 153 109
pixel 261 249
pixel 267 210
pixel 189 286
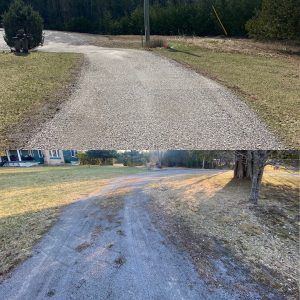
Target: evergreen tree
pixel 22 17
pixel 278 19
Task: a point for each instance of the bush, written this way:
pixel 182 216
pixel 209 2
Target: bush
pixel 86 160
pixel 157 43
pixel 278 19
pixel 22 16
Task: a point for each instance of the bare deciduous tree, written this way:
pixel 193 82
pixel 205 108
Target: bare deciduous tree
pixel 250 165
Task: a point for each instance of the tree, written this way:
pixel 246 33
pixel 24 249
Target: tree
pixel 22 17
pixel 168 17
pixel 133 158
pixel 277 19
pixel 259 159
pixel 105 156
pixel 250 165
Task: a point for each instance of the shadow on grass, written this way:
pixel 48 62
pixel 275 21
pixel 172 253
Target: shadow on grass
pixel 215 258
pixel 21 54
pixel 185 52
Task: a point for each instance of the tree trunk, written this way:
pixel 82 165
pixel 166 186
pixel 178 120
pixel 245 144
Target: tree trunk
pixel 242 167
pixel 259 161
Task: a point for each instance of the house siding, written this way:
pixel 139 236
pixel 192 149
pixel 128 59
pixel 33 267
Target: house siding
pixel 53 161
pixel 68 156
pixel 47 157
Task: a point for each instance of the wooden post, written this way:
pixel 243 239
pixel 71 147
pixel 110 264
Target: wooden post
pixel 147 22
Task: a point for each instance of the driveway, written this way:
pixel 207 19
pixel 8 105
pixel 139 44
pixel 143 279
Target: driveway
pixel 108 247
pixel 127 99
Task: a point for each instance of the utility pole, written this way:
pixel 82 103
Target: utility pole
pixel 147 22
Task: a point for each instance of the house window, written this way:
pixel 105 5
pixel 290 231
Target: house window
pixel 40 153
pixel 54 153
pixel 73 153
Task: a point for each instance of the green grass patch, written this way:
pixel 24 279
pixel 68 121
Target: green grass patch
pixel 31 199
pixel 29 83
pixel 269 84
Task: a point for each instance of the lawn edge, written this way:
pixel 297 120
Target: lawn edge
pixel 18 135
pixel 242 95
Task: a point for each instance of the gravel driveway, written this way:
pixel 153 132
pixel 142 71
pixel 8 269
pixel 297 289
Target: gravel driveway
pixel 112 250
pixel 129 99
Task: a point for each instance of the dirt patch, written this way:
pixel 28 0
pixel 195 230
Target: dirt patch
pixel 51 293
pixel 96 232
pixel 113 203
pixel 120 232
pixel 110 246
pixel 210 218
pixel 120 261
pixel 83 246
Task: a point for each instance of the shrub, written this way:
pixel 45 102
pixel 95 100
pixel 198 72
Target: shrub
pixel 86 160
pixel 22 16
pixel 278 19
pixel 157 43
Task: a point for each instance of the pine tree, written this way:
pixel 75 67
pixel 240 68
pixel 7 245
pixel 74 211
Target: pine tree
pixel 278 19
pixel 22 17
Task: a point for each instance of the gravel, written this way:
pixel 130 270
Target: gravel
pixel 85 256
pixel 131 99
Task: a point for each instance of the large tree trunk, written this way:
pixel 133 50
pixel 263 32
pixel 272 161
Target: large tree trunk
pixel 250 165
pixel 259 161
pixel 243 165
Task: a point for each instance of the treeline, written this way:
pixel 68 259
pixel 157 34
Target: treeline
pixel 168 17
pixel 172 158
pixel 198 159
pixel 269 19
pixel 181 158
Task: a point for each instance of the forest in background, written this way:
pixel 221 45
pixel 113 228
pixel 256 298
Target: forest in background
pixel 168 17
pixel 262 19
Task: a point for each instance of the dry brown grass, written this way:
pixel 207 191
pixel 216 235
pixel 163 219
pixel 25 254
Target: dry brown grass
pixel 209 212
pixel 32 88
pixel 119 41
pixel 267 81
pixel 246 46
pixel 31 199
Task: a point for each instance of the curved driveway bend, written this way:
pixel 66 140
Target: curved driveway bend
pixel 115 252
pixel 129 99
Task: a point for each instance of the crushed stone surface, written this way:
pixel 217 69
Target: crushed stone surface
pixel 132 99
pixel 85 256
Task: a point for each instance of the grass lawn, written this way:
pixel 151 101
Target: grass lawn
pixel 268 81
pixel 31 199
pixel 209 217
pixel 32 84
